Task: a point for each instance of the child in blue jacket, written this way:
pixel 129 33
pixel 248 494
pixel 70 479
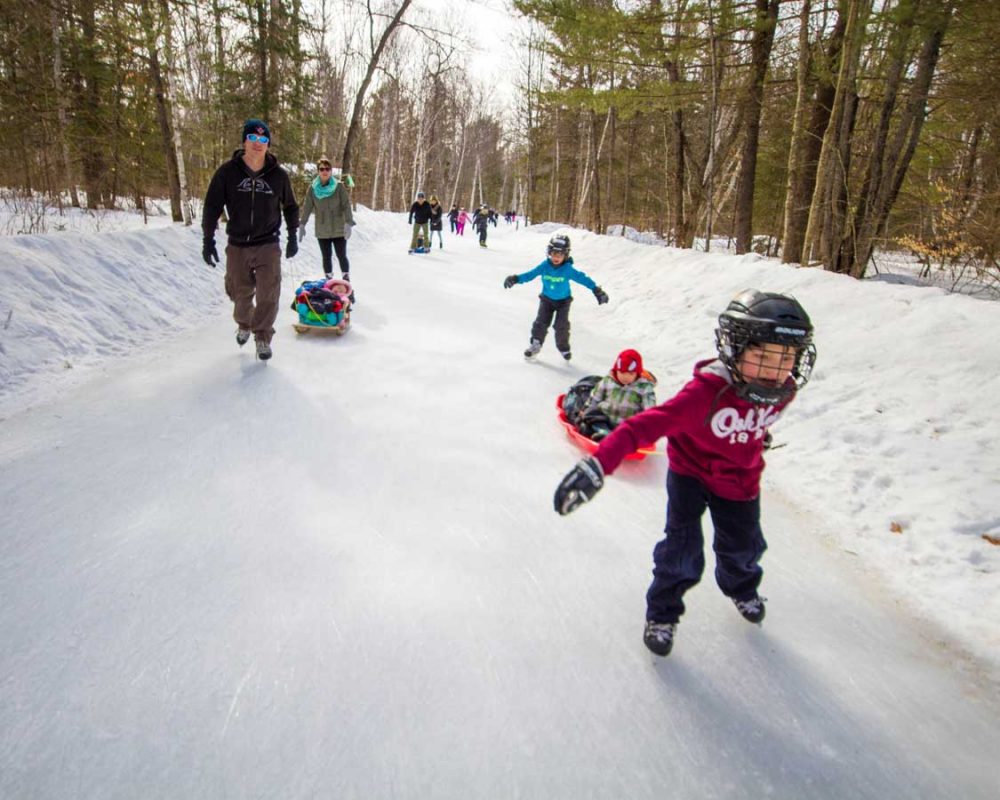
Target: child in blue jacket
pixel 556 272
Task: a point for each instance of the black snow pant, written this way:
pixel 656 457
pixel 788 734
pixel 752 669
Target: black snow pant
pixel 679 559
pixel 547 309
pixel 338 245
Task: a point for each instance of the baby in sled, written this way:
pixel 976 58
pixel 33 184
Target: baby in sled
pixel 324 304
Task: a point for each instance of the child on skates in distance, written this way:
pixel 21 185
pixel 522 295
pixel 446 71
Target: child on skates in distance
pixel 479 221
pixel 556 272
pixel 622 393
pixel 715 428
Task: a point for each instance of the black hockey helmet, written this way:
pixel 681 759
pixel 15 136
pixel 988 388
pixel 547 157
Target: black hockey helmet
pixel 558 244
pixel 761 318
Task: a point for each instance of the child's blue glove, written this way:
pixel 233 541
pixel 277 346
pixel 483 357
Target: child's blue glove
pixel 510 280
pixel 601 295
pixel 580 485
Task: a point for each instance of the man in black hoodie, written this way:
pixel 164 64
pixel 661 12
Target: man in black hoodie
pixel 420 217
pixel 254 191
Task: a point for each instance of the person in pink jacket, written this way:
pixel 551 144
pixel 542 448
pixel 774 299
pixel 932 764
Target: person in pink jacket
pixel 717 429
pixel 460 222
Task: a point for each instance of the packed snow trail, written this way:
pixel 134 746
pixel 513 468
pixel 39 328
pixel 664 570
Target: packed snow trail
pixel 340 575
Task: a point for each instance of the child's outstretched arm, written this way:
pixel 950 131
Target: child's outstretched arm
pixel 585 280
pixel 580 485
pixel 524 277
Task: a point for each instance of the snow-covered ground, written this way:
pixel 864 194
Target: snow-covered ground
pixel 339 574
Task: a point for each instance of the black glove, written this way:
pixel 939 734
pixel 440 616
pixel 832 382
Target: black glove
pixel 209 253
pixel 601 295
pixel 510 280
pixel 293 245
pixel 580 485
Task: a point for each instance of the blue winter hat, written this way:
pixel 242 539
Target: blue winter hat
pixel 257 126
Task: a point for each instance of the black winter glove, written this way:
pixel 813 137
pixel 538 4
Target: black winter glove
pixel 209 253
pixel 601 295
pixel 510 280
pixel 580 485
pixel 293 245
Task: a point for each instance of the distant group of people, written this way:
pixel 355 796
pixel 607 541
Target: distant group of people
pixel 427 217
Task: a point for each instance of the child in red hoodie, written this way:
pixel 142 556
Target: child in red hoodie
pixel 715 428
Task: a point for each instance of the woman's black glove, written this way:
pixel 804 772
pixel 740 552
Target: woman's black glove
pixel 580 485
pixel 510 280
pixel 601 295
pixel 293 245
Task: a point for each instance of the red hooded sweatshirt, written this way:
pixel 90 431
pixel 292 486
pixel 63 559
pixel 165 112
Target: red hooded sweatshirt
pixel 712 434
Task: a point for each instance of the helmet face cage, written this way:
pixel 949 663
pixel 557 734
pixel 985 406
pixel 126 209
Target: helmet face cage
pixel 765 319
pixel 558 244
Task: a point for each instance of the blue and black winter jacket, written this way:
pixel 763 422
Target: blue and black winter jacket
pixel 555 280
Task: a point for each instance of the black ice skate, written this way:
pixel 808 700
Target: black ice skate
pixel 659 636
pixel 752 609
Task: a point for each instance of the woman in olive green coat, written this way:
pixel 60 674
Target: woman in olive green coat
pixel 334 219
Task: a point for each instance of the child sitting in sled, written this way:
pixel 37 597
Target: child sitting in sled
pixel 324 304
pixel 626 390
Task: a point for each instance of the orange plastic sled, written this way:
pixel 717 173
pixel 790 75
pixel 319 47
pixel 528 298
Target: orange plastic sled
pixel 589 444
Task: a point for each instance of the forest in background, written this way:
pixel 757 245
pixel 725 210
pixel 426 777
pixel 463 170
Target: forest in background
pixel 819 131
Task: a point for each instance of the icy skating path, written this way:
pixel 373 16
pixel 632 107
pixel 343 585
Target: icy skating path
pixel 339 575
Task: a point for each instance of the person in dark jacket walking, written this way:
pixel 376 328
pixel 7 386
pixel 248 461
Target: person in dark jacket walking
pixel 334 217
pixel 479 221
pixel 420 217
pixel 437 221
pixel 453 218
pixel 717 431
pixel 255 192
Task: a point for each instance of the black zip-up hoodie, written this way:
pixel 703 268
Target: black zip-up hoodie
pixel 420 212
pixel 254 204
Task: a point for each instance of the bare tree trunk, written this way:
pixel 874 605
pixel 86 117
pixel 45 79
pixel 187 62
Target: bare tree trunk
pixel 795 148
pixel 760 49
pixel 628 172
pixel 900 151
pixel 819 119
pixel 829 172
pixel 262 58
pixel 178 147
pixel 461 160
pixel 68 167
pixel 163 114
pixel 359 100
pixel 713 111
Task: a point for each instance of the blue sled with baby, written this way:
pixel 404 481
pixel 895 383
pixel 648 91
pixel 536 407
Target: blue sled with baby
pixel 421 247
pixel 323 306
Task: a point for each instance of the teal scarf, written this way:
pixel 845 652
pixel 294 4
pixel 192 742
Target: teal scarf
pixel 322 191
